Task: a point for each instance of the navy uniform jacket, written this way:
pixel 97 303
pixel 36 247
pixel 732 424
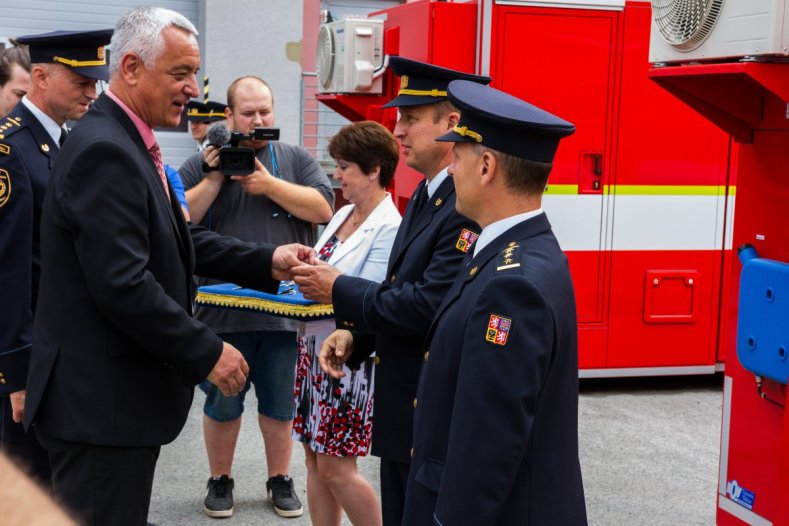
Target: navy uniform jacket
pixel 27 154
pixel 425 259
pixel 116 351
pixel 496 420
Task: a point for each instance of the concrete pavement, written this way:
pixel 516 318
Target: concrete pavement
pixel 649 455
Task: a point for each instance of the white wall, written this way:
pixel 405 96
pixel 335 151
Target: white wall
pixel 256 37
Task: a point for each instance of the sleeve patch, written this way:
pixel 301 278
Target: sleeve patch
pixel 498 329
pixel 466 240
pixel 5 187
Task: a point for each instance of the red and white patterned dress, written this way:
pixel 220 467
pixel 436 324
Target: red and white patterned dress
pixel 334 417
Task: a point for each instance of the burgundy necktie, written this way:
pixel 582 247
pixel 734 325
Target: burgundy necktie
pixel 156 155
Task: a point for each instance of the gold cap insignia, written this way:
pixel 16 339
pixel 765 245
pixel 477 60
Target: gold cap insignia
pixel 404 82
pixel 100 53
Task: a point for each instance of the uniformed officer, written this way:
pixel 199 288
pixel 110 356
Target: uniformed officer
pixel 495 427
pixel 65 67
pixel 430 245
pixel 200 115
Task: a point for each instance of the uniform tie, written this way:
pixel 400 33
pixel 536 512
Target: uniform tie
pixel 156 155
pixel 63 135
pixel 422 197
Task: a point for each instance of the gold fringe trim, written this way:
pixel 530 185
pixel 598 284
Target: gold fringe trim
pixel 268 306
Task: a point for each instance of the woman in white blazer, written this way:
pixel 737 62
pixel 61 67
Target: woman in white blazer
pixel 333 417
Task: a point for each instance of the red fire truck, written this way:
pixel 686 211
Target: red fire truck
pixel 640 197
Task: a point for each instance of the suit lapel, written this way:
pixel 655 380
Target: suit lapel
pixel 416 223
pixel 46 145
pixel 104 103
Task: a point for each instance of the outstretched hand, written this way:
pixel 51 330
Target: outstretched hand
pixel 286 257
pixel 315 281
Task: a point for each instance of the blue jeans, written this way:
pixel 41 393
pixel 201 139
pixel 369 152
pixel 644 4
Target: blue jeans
pixel 271 356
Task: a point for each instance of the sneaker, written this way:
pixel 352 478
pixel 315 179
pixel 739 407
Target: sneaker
pixel 282 495
pixel 219 501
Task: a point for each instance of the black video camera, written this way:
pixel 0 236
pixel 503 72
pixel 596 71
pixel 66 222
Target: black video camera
pixel 239 160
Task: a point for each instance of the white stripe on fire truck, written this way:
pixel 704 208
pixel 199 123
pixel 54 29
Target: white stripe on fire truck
pixel 641 218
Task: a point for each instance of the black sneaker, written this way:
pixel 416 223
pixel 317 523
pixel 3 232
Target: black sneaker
pixel 282 495
pixel 219 501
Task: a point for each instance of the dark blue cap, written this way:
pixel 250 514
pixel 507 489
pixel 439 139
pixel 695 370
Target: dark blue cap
pixel 210 111
pixel 197 111
pixel 216 110
pixel 422 83
pixel 505 123
pixel 82 51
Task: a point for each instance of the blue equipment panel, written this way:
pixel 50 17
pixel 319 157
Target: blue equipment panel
pixel 763 316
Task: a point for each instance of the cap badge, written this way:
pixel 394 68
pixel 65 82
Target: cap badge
pixel 404 82
pixel 498 329
pixel 100 53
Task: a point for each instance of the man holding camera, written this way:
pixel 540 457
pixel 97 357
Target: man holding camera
pixel 277 202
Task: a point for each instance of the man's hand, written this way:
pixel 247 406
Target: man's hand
pixel 230 371
pixel 256 183
pixel 211 158
pixel 18 406
pixel 335 351
pixel 286 257
pixel 316 281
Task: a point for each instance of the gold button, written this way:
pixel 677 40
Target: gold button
pixel 393 279
pixel 414 403
pixel 345 324
pixel 376 360
pixel 426 355
pixel 2 380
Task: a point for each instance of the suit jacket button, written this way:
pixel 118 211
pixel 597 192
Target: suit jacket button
pixel 393 279
pixel 426 355
pixel 376 360
pixel 412 452
pixel 345 324
pixel 414 403
pixel 2 380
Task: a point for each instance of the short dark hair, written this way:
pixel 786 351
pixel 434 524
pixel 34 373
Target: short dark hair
pixel 522 175
pixel 16 54
pixel 231 90
pixel 441 109
pixel 368 144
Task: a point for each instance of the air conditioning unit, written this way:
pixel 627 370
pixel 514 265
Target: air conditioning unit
pixel 708 30
pixel 350 56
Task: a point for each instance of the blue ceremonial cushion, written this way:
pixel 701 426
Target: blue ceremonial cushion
pixel 288 302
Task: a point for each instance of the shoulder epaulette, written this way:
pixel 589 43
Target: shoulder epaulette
pixel 9 125
pixel 509 257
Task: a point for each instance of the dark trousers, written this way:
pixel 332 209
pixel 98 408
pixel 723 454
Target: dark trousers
pixel 394 476
pixel 23 448
pixel 101 484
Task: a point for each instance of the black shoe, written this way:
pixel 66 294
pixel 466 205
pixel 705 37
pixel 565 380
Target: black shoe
pixel 219 501
pixel 282 495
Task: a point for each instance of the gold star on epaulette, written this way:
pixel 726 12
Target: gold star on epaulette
pixel 508 257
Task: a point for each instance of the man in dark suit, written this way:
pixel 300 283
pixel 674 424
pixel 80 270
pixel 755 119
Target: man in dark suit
pixel 116 351
pixel 63 84
pixel 393 317
pixel 496 421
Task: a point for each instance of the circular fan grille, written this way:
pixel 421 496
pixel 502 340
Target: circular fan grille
pixel 685 24
pixel 325 56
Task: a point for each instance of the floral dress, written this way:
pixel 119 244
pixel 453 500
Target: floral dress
pixel 333 416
